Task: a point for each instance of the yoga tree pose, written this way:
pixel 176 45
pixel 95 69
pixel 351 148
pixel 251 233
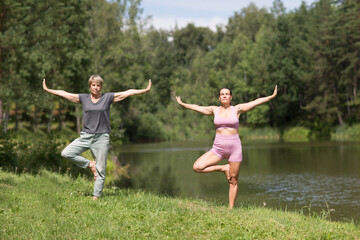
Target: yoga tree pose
pixel 96 127
pixel 227 143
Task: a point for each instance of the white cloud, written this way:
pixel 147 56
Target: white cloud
pixel 170 22
pixel 209 5
pixel 166 14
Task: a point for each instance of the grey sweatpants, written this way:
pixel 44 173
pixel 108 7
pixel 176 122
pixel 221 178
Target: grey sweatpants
pixel 99 144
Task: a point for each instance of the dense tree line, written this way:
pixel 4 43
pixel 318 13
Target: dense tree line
pixel 312 53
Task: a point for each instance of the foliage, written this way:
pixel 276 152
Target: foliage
pixel 347 133
pixel 258 116
pixel 296 134
pixel 265 133
pixel 312 53
pixel 32 155
pixel 150 128
pixel 7 153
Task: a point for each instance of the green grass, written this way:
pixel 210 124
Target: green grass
pixel 347 133
pixel 296 134
pixel 263 134
pixel 53 206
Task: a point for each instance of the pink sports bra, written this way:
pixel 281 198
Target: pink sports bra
pixel 229 122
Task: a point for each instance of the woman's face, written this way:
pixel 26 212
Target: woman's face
pixel 224 96
pixel 95 88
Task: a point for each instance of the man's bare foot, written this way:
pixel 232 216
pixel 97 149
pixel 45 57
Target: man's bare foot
pixel 94 198
pixel 227 171
pixel 93 168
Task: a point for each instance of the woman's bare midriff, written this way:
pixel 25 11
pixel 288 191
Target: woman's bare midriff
pixel 227 131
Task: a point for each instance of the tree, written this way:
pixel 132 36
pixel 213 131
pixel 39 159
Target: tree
pixel 278 8
pixel 347 52
pixel 248 22
pixel 324 74
pixel 160 57
pixel 12 51
pixel 191 42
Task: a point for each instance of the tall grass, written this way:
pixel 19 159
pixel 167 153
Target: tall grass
pixel 346 132
pixel 265 133
pixel 296 134
pixel 53 206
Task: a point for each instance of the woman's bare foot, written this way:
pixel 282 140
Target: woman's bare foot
pixel 227 171
pixel 94 198
pixel 93 168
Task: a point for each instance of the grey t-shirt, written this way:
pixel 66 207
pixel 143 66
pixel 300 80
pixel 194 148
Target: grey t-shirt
pixel 96 116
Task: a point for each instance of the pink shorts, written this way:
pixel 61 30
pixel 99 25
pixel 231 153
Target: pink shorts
pixel 227 146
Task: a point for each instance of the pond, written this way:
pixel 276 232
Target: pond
pixel 312 176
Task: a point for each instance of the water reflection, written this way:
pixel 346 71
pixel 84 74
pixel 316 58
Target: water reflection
pixel 323 175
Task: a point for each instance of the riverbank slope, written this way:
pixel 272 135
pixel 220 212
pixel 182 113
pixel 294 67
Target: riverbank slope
pixel 54 206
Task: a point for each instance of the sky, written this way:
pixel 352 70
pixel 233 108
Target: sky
pixel 166 14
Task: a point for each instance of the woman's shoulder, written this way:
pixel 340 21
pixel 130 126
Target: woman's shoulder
pixel 108 95
pixel 84 95
pixel 237 107
pixel 215 109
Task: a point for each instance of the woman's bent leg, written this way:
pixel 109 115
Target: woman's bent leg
pixel 75 148
pixel 233 182
pixel 208 163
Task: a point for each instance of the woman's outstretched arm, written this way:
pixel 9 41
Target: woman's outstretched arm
pixel 209 110
pixel 69 96
pixel 244 107
pixel 122 95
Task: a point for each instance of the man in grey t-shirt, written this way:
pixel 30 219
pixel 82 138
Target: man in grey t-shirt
pixel 96 127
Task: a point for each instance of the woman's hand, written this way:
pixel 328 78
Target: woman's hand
pixel 178 99
pixel 275 92
pixel 148 86
pixel 44 85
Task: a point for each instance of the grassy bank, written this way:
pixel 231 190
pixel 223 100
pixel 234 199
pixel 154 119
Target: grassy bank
pixel 52 206
pixel 347 133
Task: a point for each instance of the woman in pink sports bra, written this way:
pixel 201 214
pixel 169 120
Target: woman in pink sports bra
pixel 227 143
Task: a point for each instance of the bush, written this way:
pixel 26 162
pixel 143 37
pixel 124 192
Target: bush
pixel 265 133
pixel 7 153
pixel 296 134
pixel 150 128
pixel 347 133
pixel 36 155
pixel 320 130
pixel 258 116
pixel 33 154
